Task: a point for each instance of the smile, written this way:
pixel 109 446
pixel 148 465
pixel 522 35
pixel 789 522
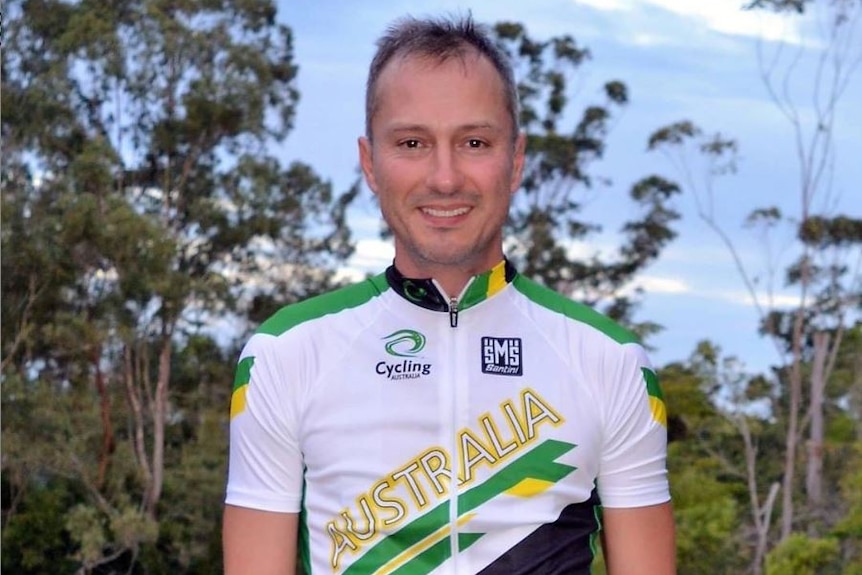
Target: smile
pixel 441 213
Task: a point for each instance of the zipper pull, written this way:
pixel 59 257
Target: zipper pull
pixel 453 312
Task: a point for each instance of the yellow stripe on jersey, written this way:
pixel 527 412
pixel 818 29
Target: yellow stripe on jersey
pixel 497 278
pixel 237 401
pixel 656 398
pixel 240 385
pixel 529 487
pixel 658 409
pixel 415 550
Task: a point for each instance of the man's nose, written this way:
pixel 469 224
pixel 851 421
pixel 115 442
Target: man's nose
pixel 445 175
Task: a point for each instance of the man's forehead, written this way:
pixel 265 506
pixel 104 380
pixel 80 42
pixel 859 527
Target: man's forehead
pixel 464 56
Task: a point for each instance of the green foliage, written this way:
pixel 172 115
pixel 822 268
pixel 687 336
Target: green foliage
pixel 35 539
pixel 562 147
pixel 139 204
pixel 848 530
pixel 822 232
pixel 707 518
pixel 802 555
pixel 88 530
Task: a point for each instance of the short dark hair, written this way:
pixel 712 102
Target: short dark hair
pixel 440 38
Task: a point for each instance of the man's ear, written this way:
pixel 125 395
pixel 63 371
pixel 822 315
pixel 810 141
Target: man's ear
pixel 518 162
pixel 366 163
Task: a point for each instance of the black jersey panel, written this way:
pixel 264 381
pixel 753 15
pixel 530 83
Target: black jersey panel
pixel 563 547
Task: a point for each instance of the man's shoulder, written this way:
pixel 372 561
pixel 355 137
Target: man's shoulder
pixel 553 301
pixel 332 302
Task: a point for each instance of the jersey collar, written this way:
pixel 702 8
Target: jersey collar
pixel 423 292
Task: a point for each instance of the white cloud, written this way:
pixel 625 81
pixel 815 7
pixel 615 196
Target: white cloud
pixel 372 256
pixel 729 18
pixel 723 17
pixel 646 40
pixel 606 5
pixel 662 285
pixel 766 301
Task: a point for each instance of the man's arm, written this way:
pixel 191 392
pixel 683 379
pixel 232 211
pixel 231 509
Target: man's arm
pixel 639 540
pixel 259 542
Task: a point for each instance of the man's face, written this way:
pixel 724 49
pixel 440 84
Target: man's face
pixel 442 162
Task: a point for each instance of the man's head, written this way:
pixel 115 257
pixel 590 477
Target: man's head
pixel 443 153
pixel 440 40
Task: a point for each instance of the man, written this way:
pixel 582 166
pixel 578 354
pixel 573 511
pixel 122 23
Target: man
pixel 450 415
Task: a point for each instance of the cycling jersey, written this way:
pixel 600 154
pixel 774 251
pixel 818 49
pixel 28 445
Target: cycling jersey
pixel 418 434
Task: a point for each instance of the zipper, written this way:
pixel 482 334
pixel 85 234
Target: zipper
pixel 453 312
pixel 454 373
pixel 456 423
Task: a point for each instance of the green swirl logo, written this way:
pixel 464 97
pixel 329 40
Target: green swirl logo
pixel 404 343
pixel 414 292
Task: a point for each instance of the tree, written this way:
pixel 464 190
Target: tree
pixel 140 204
pixel 544 220
pixel 706 479
pixel 825 273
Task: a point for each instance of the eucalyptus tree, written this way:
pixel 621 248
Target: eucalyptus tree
pixel 564 143
pixel 807 82
pixel 143 205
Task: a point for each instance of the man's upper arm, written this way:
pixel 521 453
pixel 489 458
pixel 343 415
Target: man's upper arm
pixel 259 542
pixel 639 540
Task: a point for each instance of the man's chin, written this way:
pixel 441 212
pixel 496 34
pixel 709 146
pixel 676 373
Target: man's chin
pixel 450 256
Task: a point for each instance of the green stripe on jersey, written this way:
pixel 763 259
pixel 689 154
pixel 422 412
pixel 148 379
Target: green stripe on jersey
pixel 243 372
pixel 319 306
pixel 553 301
pixel 652 385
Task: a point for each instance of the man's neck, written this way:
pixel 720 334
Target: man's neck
pixel 452 278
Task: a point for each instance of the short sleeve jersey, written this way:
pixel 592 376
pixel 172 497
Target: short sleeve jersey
pixel 418 435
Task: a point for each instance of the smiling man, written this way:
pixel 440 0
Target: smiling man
pixel 449 415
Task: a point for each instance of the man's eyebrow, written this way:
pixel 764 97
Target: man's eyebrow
pixel 478 127
pixel 472 127
pixel 398 128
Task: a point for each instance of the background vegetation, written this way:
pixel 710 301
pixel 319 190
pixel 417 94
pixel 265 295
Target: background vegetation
pixel 141 206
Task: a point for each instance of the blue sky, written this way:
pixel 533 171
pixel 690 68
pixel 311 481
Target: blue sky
pixel 681 59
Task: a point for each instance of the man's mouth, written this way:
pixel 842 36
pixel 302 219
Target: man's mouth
pixel 445 213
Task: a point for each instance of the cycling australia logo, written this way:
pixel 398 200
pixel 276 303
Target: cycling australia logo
pixel 405 346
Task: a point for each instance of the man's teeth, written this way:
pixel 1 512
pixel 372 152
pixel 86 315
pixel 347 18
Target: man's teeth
pixel 437 213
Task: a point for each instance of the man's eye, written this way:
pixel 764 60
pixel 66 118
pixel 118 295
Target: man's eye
pixel 410 144
pixel 475 143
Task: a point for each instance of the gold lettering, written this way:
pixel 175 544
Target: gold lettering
pixel 414 487
pixel 434 464
pixel 379 509
pixel 370 528
pixel 536 411
pixel 515 423
pixel 393 504
pixel 472 452
pixel 493 435
pixel 340 542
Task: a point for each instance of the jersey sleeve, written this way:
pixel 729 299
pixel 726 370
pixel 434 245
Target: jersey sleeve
pixel 633 465
pixel 265 461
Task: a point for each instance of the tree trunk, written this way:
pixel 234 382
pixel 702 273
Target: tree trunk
pixel 792 437
pixel 761 515
pixel 107 427
pixel 160 410
pixel 814 469
pixel 134 397
pixel 790 448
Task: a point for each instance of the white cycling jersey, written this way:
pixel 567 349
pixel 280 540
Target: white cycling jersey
pixel 480 440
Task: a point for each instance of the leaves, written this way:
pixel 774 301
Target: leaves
pixel 141 213
pixel 545 218
pixel 673 134
pixel 821 232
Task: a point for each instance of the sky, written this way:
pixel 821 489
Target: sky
pixel 681 60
